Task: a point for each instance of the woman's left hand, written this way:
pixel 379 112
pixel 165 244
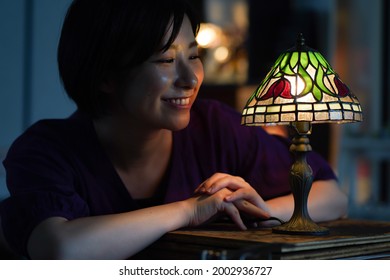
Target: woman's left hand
pixel 241 192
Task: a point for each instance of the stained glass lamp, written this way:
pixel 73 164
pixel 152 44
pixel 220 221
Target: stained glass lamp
pixel 301 89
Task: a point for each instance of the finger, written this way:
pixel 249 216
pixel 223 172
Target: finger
pixel 203 187
pixel 251 209
pixel 252 196
pixel 231 182
pixel 231 210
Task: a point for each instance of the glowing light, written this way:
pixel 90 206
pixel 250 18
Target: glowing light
pixel 208 35
pixel 297 84
pixel 221 54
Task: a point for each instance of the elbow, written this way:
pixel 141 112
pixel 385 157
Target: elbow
pixel 329 202
pixel 50 249
pixel 337 205
pixel 50 241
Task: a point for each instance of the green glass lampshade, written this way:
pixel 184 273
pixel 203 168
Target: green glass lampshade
pixel 301 86
pixel 301 89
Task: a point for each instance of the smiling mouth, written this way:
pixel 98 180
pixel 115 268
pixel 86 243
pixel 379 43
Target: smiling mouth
pixel 179 101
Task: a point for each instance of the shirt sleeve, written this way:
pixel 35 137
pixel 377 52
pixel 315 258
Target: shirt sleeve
pixel 42 184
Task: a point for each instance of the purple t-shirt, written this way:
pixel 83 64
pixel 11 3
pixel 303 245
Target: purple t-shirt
pixel 58 168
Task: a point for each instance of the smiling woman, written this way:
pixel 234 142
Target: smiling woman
pixel 141 156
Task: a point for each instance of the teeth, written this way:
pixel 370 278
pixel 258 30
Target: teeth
pixel 179 101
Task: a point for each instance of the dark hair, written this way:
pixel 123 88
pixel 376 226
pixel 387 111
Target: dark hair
pixel 101 38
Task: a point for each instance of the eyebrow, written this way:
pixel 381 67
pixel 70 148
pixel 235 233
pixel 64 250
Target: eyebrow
pixel 190 45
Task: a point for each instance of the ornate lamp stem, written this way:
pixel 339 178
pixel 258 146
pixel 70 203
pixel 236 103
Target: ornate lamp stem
pixel 301 178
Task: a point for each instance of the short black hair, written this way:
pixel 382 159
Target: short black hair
pixel 100 38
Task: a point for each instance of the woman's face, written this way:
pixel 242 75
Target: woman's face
pixel 159 93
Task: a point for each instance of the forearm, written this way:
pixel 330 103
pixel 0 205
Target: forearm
pixel 326 202
pixel 115 236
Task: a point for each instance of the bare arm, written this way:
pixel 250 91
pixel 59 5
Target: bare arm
pixel 326 202
pixel 119 236
pixel 115 236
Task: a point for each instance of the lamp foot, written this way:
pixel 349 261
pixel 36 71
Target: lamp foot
pixel 301 227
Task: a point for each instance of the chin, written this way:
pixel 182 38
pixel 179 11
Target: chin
pixel 180 124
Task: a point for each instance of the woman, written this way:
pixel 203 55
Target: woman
pixel 123 169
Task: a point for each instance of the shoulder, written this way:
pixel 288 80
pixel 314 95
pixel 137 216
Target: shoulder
pixel 59 127
pixel 49 133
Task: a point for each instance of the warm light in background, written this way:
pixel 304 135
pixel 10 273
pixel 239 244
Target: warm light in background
pixel 222 40
pixel 209 35
pixel 221 54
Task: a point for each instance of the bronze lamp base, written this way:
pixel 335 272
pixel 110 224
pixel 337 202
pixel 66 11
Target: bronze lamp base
pixel 301 178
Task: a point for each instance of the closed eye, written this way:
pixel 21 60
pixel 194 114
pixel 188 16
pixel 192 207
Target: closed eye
pixel 169 60
pixel 172 60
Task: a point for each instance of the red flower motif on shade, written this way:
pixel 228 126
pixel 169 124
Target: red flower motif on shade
pixel 341 87
pixel 281 87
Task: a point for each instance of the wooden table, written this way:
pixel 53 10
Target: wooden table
pixel 348 239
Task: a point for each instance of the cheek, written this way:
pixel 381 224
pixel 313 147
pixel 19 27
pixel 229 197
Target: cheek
pixel 148 86
pixel 155 81
pixel 160 82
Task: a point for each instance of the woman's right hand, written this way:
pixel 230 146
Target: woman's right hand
pixel 204 207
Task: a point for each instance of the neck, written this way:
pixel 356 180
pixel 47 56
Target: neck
pixel 130 146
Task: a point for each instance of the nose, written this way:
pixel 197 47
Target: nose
pixel 186 76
